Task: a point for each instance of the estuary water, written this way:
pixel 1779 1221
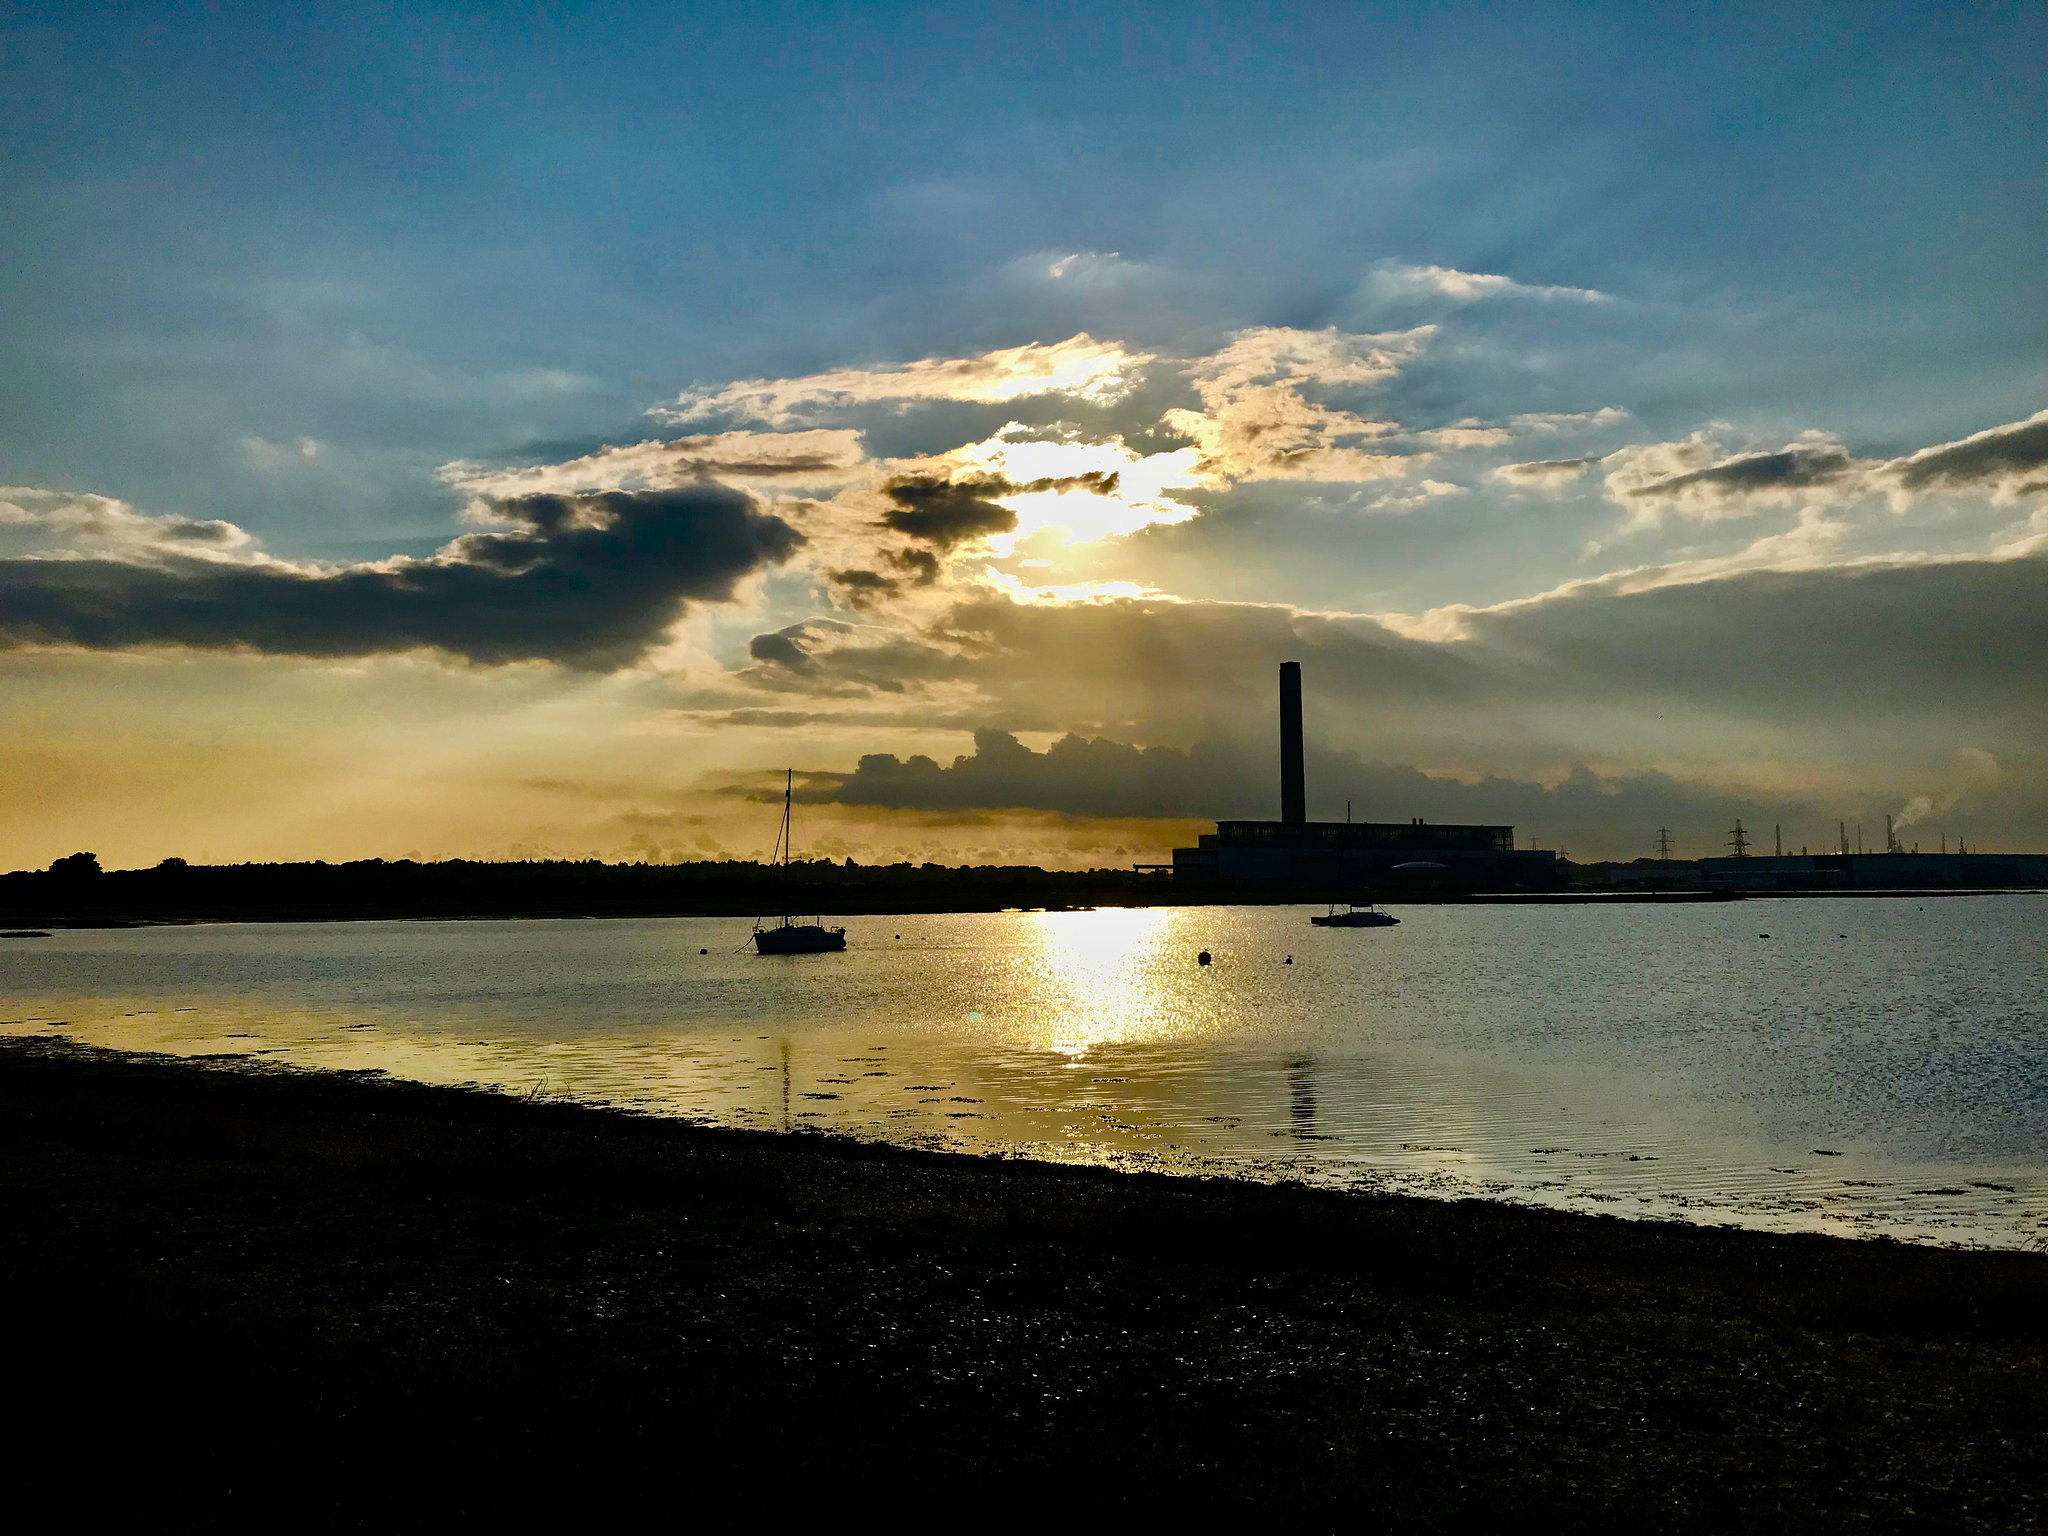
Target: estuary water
pixel 1872 1067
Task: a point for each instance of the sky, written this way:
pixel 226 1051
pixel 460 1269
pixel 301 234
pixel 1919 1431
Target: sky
pixel 529 430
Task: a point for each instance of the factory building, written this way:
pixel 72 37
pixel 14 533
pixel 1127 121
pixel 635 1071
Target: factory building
pixel 1342 855
pixel 1876 871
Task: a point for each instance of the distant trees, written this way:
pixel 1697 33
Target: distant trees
pixel 76 866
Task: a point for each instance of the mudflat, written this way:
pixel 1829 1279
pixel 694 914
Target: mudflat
pixel 240 1295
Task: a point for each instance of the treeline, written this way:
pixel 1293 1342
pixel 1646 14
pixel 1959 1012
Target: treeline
pixel 76 890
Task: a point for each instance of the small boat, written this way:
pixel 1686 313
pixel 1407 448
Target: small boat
pixel 1355 917
pixel 790 937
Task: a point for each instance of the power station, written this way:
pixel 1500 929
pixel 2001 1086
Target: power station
pixel 1347 854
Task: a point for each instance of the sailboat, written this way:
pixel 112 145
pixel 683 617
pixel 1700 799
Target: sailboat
pixel 1368 916
pixel 790 937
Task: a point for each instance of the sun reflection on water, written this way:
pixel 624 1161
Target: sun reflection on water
pixel 1094 976
pixel 1434 1059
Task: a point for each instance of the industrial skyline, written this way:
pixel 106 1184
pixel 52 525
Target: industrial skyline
pixel 1337 857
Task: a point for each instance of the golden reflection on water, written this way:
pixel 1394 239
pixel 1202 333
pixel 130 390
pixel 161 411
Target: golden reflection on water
pixel 1093 977
pixel 1432 1059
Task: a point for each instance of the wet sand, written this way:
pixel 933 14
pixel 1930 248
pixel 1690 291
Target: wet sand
pixel 240 1296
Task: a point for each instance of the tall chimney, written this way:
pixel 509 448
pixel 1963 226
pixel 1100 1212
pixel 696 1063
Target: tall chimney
pixel 1293 783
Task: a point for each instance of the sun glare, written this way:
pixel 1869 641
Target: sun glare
pixel 1084 491
pixel 1100 965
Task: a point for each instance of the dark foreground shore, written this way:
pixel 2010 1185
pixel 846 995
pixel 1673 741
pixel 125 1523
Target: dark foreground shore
pixel 240 1297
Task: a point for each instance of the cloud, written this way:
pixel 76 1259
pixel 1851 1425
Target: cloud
pixel 1099 372
pixel 1818 642
pixel 861 588
pixel 785 648
pixel 588 581
pixel 946 513
pixel 1087 269
pixel 1466 434
pixel 1095 776
pixel 1086 486
pixel 1570 421
pixel 1473 433
pixel 2003 464
pixel 273 458
pixel 1397 280
pixel 1407 499
pixel 1543 474
pixel 829 658
pixel 1076 775
pixel 1278 354
pixel 819 457
pixel 1700 478
pixel 34 521
pixel 1256 423
pixel 1794 664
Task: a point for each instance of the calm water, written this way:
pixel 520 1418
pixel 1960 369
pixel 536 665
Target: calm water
pixel 1873 1066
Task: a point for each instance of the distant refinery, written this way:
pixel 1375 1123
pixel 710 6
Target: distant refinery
pixel 1847 866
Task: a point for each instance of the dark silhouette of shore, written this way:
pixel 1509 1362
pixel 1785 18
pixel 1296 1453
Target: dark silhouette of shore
pixel 76 892
pixel 366 888
pixel 244 1296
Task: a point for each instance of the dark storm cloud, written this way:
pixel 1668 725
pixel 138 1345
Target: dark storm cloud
pixel 588 581
pixel 2007 461
pixel 947 512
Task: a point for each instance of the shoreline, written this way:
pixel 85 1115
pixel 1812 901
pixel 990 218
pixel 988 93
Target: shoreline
pixel 308 1268
pixel 53 924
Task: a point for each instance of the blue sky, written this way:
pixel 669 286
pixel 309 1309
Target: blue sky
pixel 276 266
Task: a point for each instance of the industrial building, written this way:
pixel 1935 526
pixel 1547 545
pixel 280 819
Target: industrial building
pixel 1876 871
pixel 1342 855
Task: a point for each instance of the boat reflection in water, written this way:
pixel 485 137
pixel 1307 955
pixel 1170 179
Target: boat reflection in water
pixel 790 937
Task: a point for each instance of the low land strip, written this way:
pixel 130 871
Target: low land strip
pixel 242 1296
